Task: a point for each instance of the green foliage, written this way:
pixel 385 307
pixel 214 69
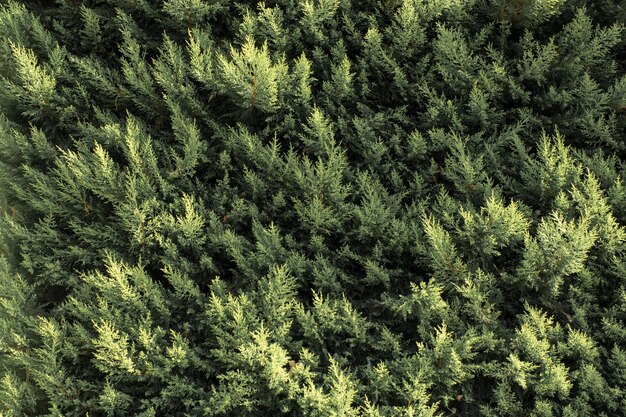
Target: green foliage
pixel 312 208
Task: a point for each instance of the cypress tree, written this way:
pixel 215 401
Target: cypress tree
pixel 312 208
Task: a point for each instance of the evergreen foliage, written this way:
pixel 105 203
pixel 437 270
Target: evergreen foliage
pixel 313 208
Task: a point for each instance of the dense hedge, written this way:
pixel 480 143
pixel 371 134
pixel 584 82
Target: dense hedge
pixel 313 208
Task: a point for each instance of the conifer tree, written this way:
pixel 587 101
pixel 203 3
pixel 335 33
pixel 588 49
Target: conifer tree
pixel 312 208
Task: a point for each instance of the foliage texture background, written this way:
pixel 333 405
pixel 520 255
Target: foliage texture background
pixel 313 208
